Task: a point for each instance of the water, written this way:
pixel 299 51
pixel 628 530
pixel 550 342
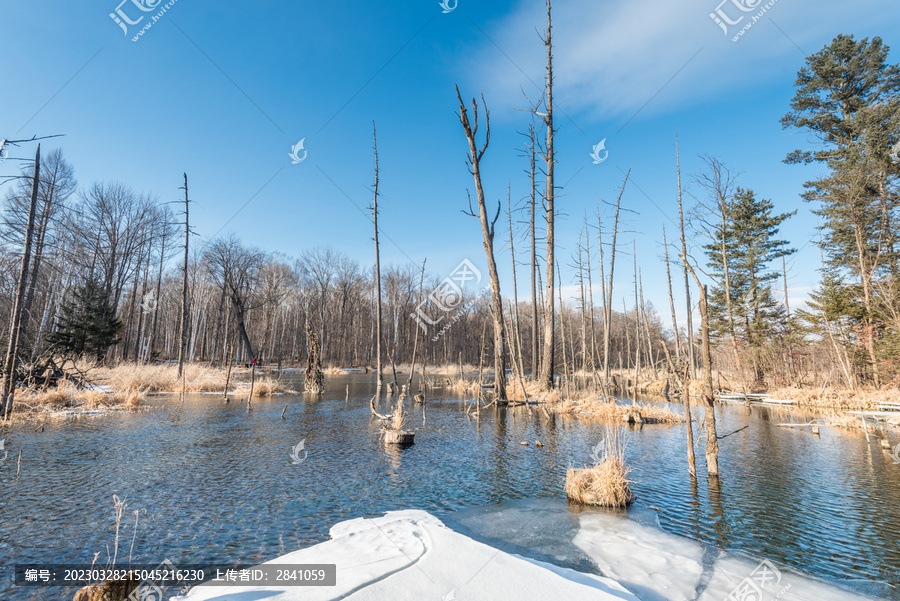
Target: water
pixel 215 484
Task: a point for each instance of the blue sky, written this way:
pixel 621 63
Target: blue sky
pixel 223 90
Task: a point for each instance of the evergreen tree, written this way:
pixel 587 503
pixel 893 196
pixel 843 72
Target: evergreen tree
pixel 752 244
pixel 834 315
pixel 88 323
pixel 848 97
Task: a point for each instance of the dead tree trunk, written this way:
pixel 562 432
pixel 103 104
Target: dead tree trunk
pixel 547 366
pixel 535 325
pixel 712 439
pixel 377 266
pixel 687 287
pixel 412 369
pixel 514 334
pixel 607 319
pixel 182 349
pixel 671 297
pixel 12 353
pixel 487 231
pixel 315 380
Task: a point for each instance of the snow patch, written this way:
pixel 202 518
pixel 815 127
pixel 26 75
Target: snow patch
pixel 410 556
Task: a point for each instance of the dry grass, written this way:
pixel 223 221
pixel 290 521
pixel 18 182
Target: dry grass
pixel 162 378
pixel 842 420
pixel 67 396
pixel 335 371
pixel 439 370
pixel 605 483
pixel 533 389
pixel 141 379
pixel 265 386
pixel 838 398
pixel 592 406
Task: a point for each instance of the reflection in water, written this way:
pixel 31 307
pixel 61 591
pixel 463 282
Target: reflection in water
pixel 719 523
pixel 217 484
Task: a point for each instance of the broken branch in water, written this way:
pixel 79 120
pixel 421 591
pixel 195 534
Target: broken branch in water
pixel 375 413
pixel 730 433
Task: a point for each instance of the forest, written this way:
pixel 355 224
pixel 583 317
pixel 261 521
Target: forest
pixel 103 271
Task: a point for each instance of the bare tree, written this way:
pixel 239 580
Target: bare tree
pixel 547 367
pixel 377 264
pixel 12 353
pixel 487 230
pixel 182 348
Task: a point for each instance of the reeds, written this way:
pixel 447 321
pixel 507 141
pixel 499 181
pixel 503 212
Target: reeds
pixel 605 483
pixel 66 396
pixel 129 378
pixel 592 406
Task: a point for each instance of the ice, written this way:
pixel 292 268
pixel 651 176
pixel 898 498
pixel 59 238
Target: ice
pixel 653 564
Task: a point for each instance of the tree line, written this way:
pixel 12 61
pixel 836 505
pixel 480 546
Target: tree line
pixel 104 275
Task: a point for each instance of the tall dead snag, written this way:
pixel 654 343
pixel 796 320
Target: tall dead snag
pixel 547 367
pixel 687 286
pixel 412 369
pixel 15 332
pixel 377 266
pixel 712 439
pixel 607 319
pixel 671 297
pixel 688 420
pixel 182 348
pixel 315 380
pixel 535 342
pixel 689 369
pixel 514 332
pixel 719 182
pixel 487 231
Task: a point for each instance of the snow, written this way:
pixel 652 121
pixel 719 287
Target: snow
pixel 411 555
pixel 730 571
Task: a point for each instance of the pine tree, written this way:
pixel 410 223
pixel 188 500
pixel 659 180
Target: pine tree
pixel 848 97
pixel 752 244
pixel 87 325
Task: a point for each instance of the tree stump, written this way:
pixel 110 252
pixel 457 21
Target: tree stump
pixel 401 437
pixel 315 379
pixel 633 416
pixel 111 590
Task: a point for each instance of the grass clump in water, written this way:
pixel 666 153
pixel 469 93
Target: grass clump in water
pixel 606 482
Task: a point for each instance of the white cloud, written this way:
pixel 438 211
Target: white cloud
pixel 612 58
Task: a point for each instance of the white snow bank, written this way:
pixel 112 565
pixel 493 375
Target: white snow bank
pixel 410 556
pixel 777 583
